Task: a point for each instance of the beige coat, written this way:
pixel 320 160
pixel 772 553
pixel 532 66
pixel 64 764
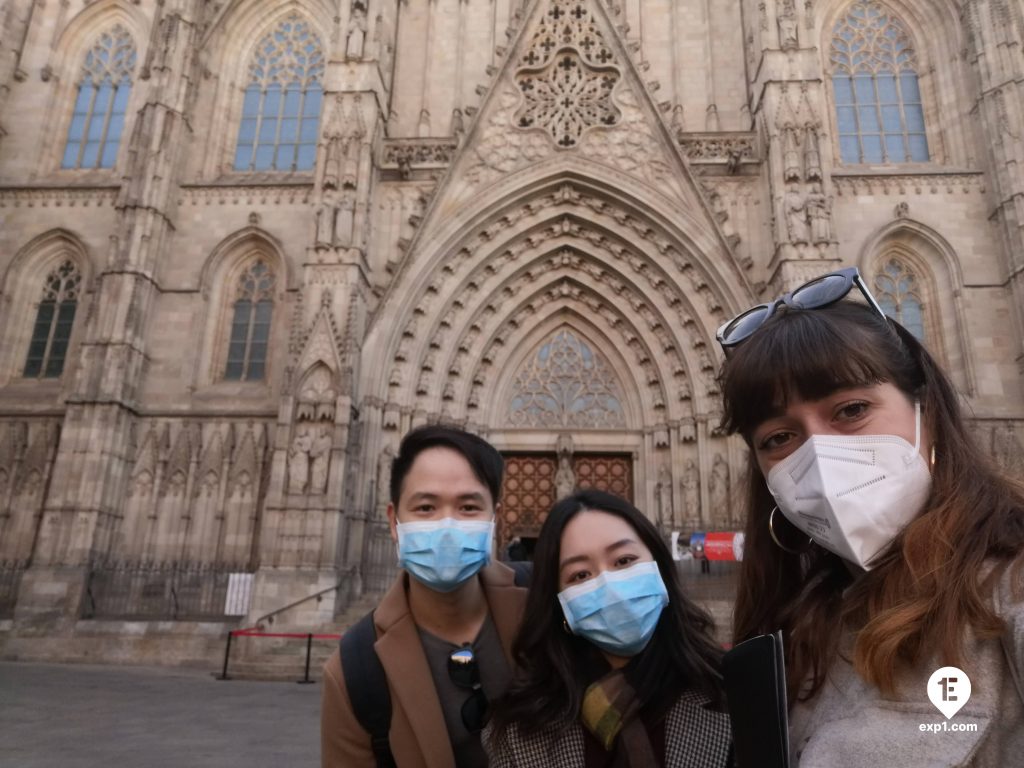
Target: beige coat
pixel 419 737
pixel 851 724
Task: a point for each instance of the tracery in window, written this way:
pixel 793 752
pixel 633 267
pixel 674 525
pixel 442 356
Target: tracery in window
pixel 566 384
pixel 55 316
pixel 879 113
pixel 898 294
pixel 250 324
pixel 281 109
pixel 101 102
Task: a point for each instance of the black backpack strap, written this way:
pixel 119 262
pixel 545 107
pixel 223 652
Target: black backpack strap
pixel 524 572
pixel 367 687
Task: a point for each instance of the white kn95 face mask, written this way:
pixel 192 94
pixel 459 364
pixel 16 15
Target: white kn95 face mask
pixel 853 494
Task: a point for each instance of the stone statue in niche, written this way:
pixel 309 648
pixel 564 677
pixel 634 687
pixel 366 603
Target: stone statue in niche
pixel 796 216
pixel 565 478
pixel 819 213
pixel 666 514
pixel 356 31
pixel 691 493
pixel 334 151
pixel 787 27
pixel 677 123
pixel 298 461
pixel 334 218
pixel 350 170
pixel 720 488
pixel 812 154
pixel 344 220
pixel 320 461
pixel 791 170
pixel 387 458
pixel 458 124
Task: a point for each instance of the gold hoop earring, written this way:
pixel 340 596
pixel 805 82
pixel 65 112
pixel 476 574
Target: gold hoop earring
pixel 565 627
pixel 932 461
pixel 779 544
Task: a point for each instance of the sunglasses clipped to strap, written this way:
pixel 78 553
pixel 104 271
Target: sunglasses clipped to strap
pixel 815 294
pixel 465 673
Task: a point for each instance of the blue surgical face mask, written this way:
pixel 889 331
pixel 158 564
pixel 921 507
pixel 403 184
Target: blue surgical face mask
pixel 617 611
pixel 442 554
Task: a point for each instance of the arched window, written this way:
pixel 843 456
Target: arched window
pixel 898 294
pixel 98 120
pixel 55 317
pixel 566 383
pixel 250 324
pixel 874 79
pixel 281 110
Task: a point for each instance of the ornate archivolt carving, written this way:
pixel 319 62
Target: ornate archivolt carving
pixel 619 262
pixel 436 368
pixel 590 302
pixel 641 230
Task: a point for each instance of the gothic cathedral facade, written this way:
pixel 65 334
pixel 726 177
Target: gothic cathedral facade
pixel 246 245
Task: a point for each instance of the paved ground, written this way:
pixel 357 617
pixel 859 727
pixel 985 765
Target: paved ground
pixel 90 716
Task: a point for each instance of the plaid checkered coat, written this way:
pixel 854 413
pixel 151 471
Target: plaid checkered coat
pixel 694 738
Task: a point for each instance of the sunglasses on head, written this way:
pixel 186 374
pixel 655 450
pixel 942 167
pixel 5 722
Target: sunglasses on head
pixel 815 294
pixel 464 672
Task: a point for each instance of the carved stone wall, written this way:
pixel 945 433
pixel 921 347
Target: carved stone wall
pixel 600 180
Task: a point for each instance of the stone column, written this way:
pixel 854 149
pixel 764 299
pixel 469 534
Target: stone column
pixel 994 52
pixel 313 523
pixel 89 483
pixel 787 101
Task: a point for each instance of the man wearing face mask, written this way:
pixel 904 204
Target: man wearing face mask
pixel 443 632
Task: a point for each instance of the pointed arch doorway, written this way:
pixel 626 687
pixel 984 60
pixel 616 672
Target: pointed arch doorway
pixel 566 398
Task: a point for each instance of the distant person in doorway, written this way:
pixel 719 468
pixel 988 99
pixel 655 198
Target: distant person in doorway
pixel 516 550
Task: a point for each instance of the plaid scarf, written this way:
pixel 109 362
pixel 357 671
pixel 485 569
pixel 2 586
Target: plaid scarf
pixel 609 712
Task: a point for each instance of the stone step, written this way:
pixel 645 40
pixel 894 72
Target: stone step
pixel 280 658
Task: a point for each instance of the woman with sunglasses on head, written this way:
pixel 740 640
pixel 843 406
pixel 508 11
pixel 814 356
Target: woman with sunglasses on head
pixel 879 538
pixel 615 666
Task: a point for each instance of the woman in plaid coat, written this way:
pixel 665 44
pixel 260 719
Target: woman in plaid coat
pixel 616 667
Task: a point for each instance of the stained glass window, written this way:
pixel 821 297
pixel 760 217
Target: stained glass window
pixel 281 108
pixel 250 324
pixel 55 317
pixel 566 384
pixel 874 79
pixel 898 295
pixel 101 102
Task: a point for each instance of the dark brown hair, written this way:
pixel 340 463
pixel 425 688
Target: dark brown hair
pixel 483 458
pixel 554 667
pixel 935 580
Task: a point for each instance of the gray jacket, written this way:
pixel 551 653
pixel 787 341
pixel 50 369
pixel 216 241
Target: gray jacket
pixel 851 724
pixel 694 738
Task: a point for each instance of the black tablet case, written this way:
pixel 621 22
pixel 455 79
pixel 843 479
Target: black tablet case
pixel 755 689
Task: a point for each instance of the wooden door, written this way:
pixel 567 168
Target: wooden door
pixel 529 488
